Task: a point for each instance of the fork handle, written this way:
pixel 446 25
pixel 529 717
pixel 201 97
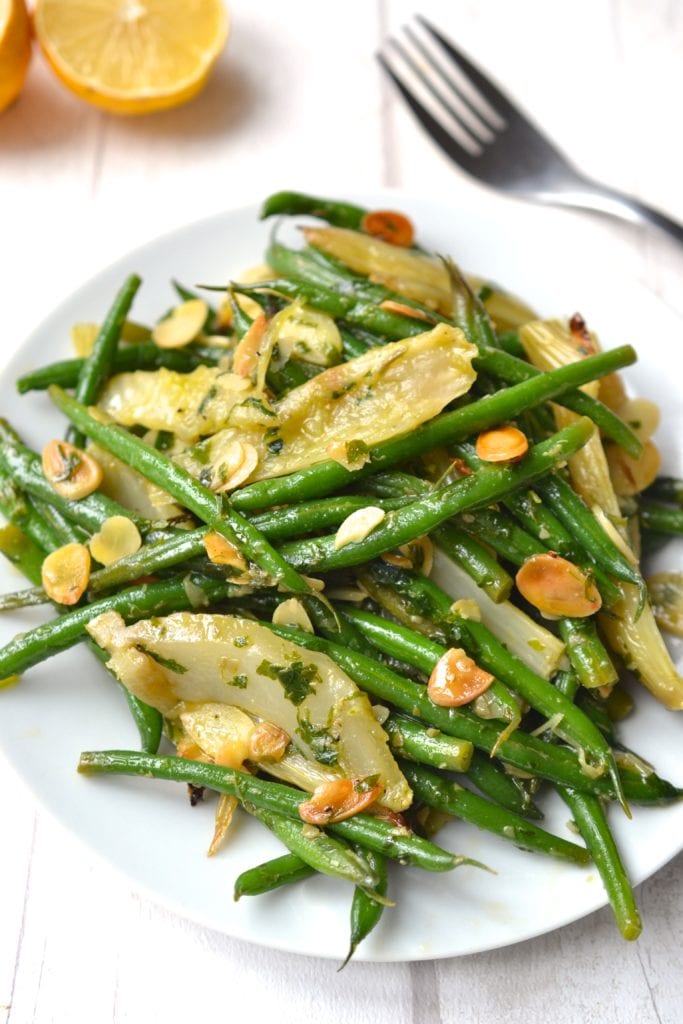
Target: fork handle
pixel 617 204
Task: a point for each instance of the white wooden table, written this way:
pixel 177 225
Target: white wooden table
pixel 297 101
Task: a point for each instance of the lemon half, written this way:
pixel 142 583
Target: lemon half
pixel 132 56
pixel 15 49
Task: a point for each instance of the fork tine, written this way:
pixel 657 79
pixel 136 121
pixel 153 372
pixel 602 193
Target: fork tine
pixel 497 100
pixel 477 132
pixel 443 138
pixel 436 93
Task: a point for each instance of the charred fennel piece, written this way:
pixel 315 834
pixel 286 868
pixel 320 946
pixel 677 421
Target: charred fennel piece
pixel 367 831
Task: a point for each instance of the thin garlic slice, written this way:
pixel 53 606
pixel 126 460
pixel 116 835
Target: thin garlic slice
pixel 65 573
pixel 358 525
pixel 182 326
pixel 118 537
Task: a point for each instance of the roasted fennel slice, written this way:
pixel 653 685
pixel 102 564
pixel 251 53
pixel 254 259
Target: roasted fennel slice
pixel 194 658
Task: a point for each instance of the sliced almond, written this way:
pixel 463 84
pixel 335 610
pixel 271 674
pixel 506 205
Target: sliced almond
pixel 73 473
pixel 556 586
pixel 456 679
pixel 403 310
pixel 182 326
pixel 239 461
pixel 247 352
pixel 358 526
pixel 631 476
pixel 65 573
pixel 117 537
pixel 268 742
pixel 293 613
pixel 222 552
pixel 503 444
pixel 335 801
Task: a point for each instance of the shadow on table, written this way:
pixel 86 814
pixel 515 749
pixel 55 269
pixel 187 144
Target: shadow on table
pixel 48 117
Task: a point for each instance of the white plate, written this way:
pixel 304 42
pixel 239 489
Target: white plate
pixel 146 829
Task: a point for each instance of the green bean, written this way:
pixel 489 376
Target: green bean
pixel 23 553
pixel 324 853
pixel 510 343
pixel 366 911
pixel 450 798
pixel 149 721
pixel 38 644
pixel 142 356
pixel 343 215
pixel 63 529
pixel 98 366
pixel 660 518
pixel 424 514
pixel 209 507
pixel 666 488
pixel 649 789
pixel 324 477
pixel 524 752
pixel 271 875
pixel 592 823
pixel 369 832
pixel 577 518
pixel 504 789
pixel 463 549
pixel 17 510
pixel 587 653
pixel 408 738
pixel 407 645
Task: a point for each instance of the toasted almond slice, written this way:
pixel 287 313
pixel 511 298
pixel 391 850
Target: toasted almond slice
pixel 631 476
pixel 247 352
pixel 390 226
pixel 401 308
pixel 503 444
pixel 222 552
pixel 118 536
pixel 267 742
pixel 292 613
pixel 456 679
pixel 335 801
pixel 182 326
pixel 240 459
pixel 73 473
pixel 66 572
pixel 557 587
pixel 358 525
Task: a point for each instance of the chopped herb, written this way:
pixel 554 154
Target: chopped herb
pixel 70 463
pixel 257 403
pixel 356 451
pixel 319 740
pixel 208 397
pixel 241 641
pixel 296 679
pixel 169 663
pixel 239 681
pixel 164 440
pixel 485 292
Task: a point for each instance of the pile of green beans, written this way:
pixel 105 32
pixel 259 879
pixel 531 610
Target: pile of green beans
pixel 378 616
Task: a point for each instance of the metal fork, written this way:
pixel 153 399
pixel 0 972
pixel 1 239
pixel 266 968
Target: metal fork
pixel 483 132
